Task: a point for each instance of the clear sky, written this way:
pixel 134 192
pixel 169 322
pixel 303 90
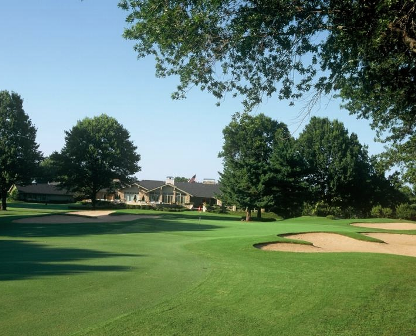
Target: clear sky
pixel 68 60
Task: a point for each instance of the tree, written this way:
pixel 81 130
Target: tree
pixel 362 50
pixel 287 184
pixel 181 179
pixel 338 169
pixel 246 153
pixel 97 151
pixel 47 171
pixel 19 154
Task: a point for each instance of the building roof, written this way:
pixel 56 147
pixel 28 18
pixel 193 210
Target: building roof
pixel 150 184
pixel 199 189
pixel 194 189
pixel 42 188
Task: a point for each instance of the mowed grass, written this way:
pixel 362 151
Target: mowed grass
pixel 195 274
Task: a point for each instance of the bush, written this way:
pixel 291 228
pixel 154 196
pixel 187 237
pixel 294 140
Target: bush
pixel 332 217
pixel 308 209
pixel 216 209
pixel 406 211
pixel 322 209
pixel 379 212
pixel 13 196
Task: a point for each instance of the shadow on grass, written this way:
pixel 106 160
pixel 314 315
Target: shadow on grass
pixel 146 225
pixel 22 260
pixel 37 206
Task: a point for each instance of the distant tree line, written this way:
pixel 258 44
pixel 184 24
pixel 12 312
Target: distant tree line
pixel 325 171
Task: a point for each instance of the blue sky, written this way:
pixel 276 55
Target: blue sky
pixel 67 59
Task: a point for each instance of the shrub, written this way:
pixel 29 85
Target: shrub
pixel 376 211
pixel 387 213
pixel 331 217
pixel 308 209
pixel 216 209
pixel 406 211
pixel 322 209
pixel 379 212
pixel 13 195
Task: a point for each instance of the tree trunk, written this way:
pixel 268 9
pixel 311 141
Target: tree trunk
pixel 93 200
pixel 248 214
pixel 259 213
pixel 3 200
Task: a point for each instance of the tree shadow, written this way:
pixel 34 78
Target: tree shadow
pixel 201 216
pixel 167 223
pixel 37 206
pixel 22 260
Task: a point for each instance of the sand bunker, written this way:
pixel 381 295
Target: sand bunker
pixel 83 217
pixel 399 244
pixel 387 226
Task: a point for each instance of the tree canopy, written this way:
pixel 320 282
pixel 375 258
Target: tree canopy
pixel 97 151
pixel 365 50
pixel 362 51
pixel 19 154
pixel 338 169
pixel 248 179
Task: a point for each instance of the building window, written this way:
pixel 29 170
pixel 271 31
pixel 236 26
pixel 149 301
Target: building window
pixel 180 199
pixel 168 198
pixel 154 197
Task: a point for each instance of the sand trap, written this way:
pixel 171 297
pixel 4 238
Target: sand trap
pixel 387 226
pixel 98 216
pixel 399 244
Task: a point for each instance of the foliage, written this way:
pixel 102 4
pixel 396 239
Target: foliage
pixel 337 165
pixel 323 209
pixel 365 51
pixel 379 212
pixel 402 156
pixel 247 177
pixel 47 171
pixel 97 152
pixel 387 190
pixel 406 211
pixel 19 154
pixel 287 183
pixel 181 179
pixel 13 195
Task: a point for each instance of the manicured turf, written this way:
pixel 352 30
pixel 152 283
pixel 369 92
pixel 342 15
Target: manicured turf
pixel 195 274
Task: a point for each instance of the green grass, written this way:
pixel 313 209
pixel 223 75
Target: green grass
pixel 194 273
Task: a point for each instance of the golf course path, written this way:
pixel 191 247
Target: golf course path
pixel 400 244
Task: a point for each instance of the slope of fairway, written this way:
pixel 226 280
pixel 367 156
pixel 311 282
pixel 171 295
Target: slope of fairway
pixel 196 274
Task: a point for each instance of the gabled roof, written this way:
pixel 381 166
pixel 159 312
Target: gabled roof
pixel 42 188
pixel 194 189
pixel 150 184
pixel 199 189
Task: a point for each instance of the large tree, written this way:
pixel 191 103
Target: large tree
pixel 246 153
pixel 362 50
pixel 287 183
pixel 19 154
pixel 97 151
pixel 338 168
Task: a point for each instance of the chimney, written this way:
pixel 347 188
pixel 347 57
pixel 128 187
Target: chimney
pixel 170 180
